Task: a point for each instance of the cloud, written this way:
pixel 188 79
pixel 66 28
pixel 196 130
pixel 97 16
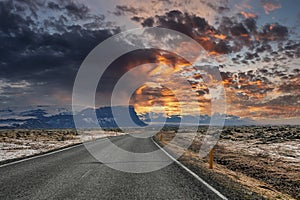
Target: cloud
pixel 48 56
pixel 193 26
pixel 149 22
pixel 217 7
pixel 248 15
pixel 247 44
pixel 143 9
pixel 274 32
pixel 231 35
pixel 76 10
pixel 259 93
pixel 270 6
pixel 239 30
pixel 125 10
pixel 41 53
pixel 254 93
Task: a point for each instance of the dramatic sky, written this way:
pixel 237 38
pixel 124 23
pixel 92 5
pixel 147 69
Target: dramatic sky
pixel 256 44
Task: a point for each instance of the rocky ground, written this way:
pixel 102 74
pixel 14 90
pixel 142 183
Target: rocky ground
pixel 266 160
pixel 20 143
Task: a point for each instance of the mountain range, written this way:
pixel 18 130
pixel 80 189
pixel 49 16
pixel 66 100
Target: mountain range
pixel 41 116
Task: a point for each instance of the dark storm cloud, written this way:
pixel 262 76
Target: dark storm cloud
pixel 270 42
pixel 124 9
pixel 119 67
pixel 149 22
pixel 40 56
pixel 231 34
pixel 274 32
pixel 288 100
pixel 137 19
pixel 289 88
pixel 250 24
pixel 132 59
pixel 218 8
pixel 238 30
pixel 58 24
pixel 53 6
pixel 69 7
pixel 183 22
pixel 76 10
pixel 9 21
pixel 191 25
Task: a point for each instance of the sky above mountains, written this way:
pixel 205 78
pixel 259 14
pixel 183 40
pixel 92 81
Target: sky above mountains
pixel 255 44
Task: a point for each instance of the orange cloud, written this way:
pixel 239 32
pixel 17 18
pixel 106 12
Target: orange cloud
pixel 248 15
pixel 178 76
pixel 269 7
pixel 220 36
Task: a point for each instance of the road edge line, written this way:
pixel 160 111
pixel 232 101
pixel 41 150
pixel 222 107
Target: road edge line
pixel 191 172
pixel 41 155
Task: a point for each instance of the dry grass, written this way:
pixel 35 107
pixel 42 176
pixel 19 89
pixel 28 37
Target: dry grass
pixel 264 159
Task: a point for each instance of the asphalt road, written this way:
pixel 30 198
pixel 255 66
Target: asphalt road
pixel 76 174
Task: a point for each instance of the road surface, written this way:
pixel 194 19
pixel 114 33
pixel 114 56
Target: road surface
pixel 76 174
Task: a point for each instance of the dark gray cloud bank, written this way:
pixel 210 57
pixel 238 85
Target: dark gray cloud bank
pixel 45 43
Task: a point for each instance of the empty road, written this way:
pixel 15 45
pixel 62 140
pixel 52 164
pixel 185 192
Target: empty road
pixel 76 174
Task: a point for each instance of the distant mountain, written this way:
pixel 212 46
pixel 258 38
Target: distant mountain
pixel 230 120
pixel 62 117
pixel 33 111
pixel 58 117
pixel 118 116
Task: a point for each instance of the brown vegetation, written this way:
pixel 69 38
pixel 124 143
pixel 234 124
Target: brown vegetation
pixel 264 159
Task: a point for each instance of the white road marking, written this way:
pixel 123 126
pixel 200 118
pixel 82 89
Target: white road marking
pixel 47 154
pixel 39 156
pixel 191 172
pixel 176 161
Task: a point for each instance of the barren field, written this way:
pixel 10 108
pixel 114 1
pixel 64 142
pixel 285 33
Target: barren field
pixel 263 159
pixel 20 143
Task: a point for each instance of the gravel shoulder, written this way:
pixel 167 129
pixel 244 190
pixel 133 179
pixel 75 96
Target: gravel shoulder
pixel 20 143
